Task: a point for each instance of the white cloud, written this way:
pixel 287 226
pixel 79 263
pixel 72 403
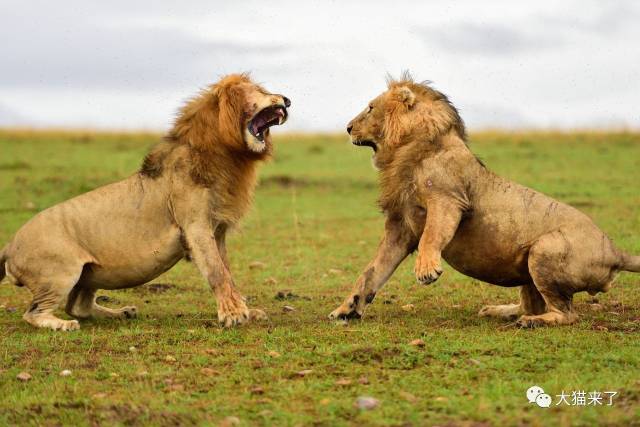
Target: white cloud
pixel 130 64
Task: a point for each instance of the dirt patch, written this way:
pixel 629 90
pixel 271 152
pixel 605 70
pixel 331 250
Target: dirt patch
pixel 368 354
pixel 284 181
pixel 159 288
pixel 103 299
pixel 582 204
pixel 287 295
pixel 19 165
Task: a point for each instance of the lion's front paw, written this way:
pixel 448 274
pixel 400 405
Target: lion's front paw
pixel 427 269
pixel 233 311
pixel 347 310
pixel 233 317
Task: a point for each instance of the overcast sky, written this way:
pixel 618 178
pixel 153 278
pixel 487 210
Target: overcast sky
pixel 130 64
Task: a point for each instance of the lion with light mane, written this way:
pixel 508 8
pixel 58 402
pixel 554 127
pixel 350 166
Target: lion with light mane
pixel 192 188
pixel 440 200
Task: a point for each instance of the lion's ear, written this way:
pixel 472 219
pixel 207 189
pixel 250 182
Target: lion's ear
pixel 406 96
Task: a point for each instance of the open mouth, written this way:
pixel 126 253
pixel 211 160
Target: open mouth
pixel 261 122
pixel 366 143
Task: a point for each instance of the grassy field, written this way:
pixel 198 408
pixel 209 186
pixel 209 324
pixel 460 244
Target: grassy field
pixel 315 225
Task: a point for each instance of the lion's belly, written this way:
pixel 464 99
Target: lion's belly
pixel 135 267
pixel 492 256
pixel 126 275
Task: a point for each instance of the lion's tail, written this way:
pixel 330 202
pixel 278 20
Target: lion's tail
pixel 631 263
pixel 3 258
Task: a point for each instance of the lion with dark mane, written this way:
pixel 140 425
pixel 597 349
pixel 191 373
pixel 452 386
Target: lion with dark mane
pixel 192 188
pixel 440 200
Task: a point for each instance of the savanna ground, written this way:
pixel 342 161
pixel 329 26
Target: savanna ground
pixel 315 225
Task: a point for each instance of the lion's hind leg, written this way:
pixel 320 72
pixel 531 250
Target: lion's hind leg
pixel 531 302
pixel 82 305
pixel 555 272
pixel 48 294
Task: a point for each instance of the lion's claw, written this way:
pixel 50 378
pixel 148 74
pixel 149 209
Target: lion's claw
pixel 341 314
pixel 429 277
pixel 529 322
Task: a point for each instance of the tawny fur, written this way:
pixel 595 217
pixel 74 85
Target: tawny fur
pixel 441 201
pixel 192 188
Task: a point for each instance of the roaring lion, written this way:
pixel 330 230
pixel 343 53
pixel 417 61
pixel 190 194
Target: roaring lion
pixel 192 188
pixel 440 199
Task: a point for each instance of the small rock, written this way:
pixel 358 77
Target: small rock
pixel 113 375
pixel 230 422
pixel 24 376
pixel 366 403
pixel 475 362
pixel 209 372
pixel 601 328
pixel 256 265
pixel 257 390
pixel 407 396
pixel 325 401
pixel 170 359
pixel 11 309
pixel 65 373
pixel 99 395
pixel 417 343
pixel 191 331
pixel 132 349
pixel 344 382
pixel 304 372
pixel 408 307
pixel 441 399
pixel 288 309
pixel 362 242
pixel 363 380
pixel 273 354
pixel 270 281
pixel 335 271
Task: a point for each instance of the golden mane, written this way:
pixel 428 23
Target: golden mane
pixel 211 125
pixel 439 115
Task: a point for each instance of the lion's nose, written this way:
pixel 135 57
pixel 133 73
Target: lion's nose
pixel 349 129
pixel 287 101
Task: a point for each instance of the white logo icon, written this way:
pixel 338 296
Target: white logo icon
pixel 536 394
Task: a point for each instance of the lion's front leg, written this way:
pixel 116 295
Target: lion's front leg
pixel 441 224
pixel 394 247
pixel 232 309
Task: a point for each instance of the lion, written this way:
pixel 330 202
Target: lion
pixel 440 200
pixel 191 190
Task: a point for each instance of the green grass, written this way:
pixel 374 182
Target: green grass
pixel 315 213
